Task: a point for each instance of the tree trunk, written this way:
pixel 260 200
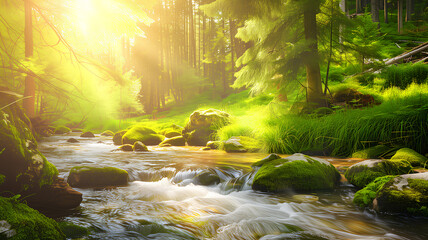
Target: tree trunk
pixel 357 6
pixel 400 16
pixel 30 85
pixel 385 10
pixel 409 6
pixel 313 75
pixel 232 48
pixel 375 10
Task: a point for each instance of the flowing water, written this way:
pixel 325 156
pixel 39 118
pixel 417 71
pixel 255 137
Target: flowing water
pixel 163 202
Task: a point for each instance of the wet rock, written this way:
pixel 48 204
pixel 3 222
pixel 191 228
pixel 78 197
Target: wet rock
pixel 411 156
pixel 175 141
pixel 107 133
pixel 165 145
pixel 18 221
pixel 213 144
pixel 241 144
pixel 202 125
pixel 62 130
pixel 305 198
pixel 87 177
pixel 297 172
pixel 77 130
pixel 364 172
pixel 117 138
pixel 58 196
pixel 87 135
pixel 139 147
pixel 73 231
pixel 206 149
pixel 142 134
pixel 372 152
pixel 72 140
pixel 271 157
pixel 206 178
pixel 171 134
pixel 405 194
pixel 126 147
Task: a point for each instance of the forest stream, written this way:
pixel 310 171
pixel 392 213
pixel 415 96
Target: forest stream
pixel 162 202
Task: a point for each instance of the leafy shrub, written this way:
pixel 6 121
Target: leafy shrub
pixel 366 79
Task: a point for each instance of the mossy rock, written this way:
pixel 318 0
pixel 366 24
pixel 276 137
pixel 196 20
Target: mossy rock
pixel 24 167
pixel 171 134
pixel 139 147
pixel 297 172
pixel 365 196
pixel 117 138
pixel 142 134
pixel 202 126
pixel 206 148
pixel 62 130
pixel 174 141
pixel 22 222
pixel 126 147
pixel 87 135
pixel 73 231
pixel 241 144
pixel 86 177
pixel 364 172
pixel 405 194
pixel 372 152
pixel 77 130
pixel 213 144
pixel 272 156
pixel 206 178
pixel 411 156
pixel 107 133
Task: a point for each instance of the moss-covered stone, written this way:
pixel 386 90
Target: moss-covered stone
pixel 405 194
pixel 26 223
pixel 365 196
pixel 202 125
pixel 364 172
pixel 142 134
pixel 62 130
pixel 241 144
pixel 297 172
pixel 172 133
pixel 86 177
pixel 87 135
pixel 77 130
pixel 139 147
pixel 24 167
pixel 117 138
pixel 411 156
pixel 126 147
pixel 206 178
pixel 107 133
pixel 372 152
pixel 73 231
pixel 174 141
pixel 272 156
pixel 213 144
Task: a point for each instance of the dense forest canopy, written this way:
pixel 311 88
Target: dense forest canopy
pixel 89 60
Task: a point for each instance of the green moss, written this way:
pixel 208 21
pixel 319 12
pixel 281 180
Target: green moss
pixel 27 223
pixel 142 134
pixel 365 196
pixel 372 152
pixel 291 173
pixel 139 147
pixel 412 156
pixel 269 158
pixel 73 231
pixel 241 144
pixel 85 176
pixel 49 173
pixel 361 174
pixel 2 179
pixel 107 133
pixel 62 130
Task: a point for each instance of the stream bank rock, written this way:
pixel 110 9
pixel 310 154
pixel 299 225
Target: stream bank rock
pixel 174 141
pixel 107 133
pixel 202 125
pixel 241 144
pixel 87 177
pixel 126 147
pixel 411 156
pixel 142 134
pixel 364 172
pixel 117 138
pixel 87 135
pixel 405 194
pixel 62 130
pixel 139 147
pixel 372 152
pixel 18 221
pixel 297 172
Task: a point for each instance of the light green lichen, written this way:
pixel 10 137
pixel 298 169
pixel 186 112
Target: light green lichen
pixel 365 196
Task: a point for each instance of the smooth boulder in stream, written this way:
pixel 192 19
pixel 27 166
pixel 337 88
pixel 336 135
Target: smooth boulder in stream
pixel 142 134
pixel 297 172
pixel 87 177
